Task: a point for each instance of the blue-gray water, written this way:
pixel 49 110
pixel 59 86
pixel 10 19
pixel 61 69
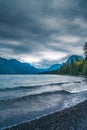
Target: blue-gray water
pixel 26 97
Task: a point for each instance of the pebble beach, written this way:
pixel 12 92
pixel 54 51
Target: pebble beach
pixel 73 118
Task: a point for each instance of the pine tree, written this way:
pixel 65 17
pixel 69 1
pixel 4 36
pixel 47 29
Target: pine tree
pixel 85 50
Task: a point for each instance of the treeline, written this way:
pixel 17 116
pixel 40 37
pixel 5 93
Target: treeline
pixel 78 67
pixel 74 68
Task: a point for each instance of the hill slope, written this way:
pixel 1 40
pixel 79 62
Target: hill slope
pixel 14 66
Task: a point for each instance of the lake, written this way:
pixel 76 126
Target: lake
pixel 27 97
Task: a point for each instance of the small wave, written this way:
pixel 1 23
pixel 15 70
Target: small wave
pixel 59 83
pixel 77 82
pixel 16 88
pixel 31 87
pixel 33 96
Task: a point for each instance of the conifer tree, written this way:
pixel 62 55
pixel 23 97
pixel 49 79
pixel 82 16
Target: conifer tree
pixel 85 50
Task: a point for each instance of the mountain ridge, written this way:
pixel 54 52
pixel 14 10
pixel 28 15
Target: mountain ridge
pixel 13 66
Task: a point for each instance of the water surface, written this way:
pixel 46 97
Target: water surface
pixel 26 97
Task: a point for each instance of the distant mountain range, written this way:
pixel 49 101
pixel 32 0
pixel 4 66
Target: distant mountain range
pixel 54 67
pixel 14 66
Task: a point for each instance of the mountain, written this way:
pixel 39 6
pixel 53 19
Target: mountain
pixel 74 58
pixel 51 68
pixel 14 66
pixel 75 66
pixel 55 67
pixel 5 67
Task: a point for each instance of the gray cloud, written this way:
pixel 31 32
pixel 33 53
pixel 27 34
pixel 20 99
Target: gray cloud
pixel 40 29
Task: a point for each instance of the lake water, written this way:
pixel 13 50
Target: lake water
pixel 27 97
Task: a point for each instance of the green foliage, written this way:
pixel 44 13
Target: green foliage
pixel 85 50
pixel 74 68
pixel 85 68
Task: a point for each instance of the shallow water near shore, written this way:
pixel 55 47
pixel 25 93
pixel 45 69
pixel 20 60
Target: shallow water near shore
pixel 27 97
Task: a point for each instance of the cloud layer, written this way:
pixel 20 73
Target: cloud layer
pixel 37 31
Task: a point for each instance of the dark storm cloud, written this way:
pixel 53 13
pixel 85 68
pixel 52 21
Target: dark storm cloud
pixel 33 27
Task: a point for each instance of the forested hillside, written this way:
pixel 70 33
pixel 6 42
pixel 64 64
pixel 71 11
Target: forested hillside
pixel 74 68
pixel 78 67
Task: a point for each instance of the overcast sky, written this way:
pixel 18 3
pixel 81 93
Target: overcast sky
pixel 42 32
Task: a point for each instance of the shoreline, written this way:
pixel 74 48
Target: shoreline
pixel 73 118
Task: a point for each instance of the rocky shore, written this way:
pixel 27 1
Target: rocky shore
pixel 73 118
